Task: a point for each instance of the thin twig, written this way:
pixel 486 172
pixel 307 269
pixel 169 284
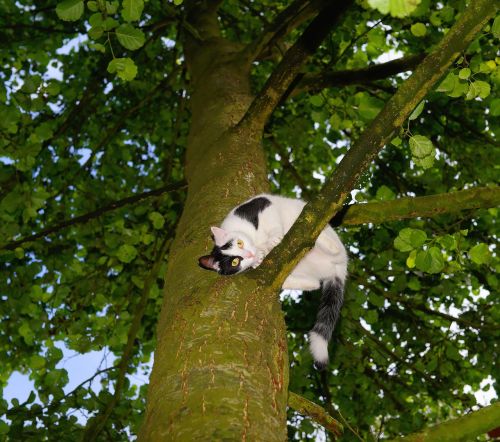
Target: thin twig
pixel 95 214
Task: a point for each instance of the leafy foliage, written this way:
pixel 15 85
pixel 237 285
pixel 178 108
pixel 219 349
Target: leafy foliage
pixel 93 108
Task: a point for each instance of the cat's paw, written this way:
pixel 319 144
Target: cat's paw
pixel 261 254
pixel 276 240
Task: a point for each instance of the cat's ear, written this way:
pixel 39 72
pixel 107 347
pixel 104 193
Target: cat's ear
pixel 208 262
pixel 219 234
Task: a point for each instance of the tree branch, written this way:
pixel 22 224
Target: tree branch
pixel 317 82
pixel 11 412
pixel 288 166
pixel 94 214
pixel 281 261
pixel 286 71
pixel 422 206
pixel 96 425
pixel 318 414
pixel 290 18
pixel 461 429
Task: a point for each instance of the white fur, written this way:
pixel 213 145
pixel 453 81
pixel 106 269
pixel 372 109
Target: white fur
pixel 319 347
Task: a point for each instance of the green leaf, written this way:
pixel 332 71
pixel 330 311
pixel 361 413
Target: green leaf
pixel 37 362
pixel 496 27
pixel 384 193
pixel 495 107
pixel 96 33
pixel 480 254
pixel 112 7
pixel 418 29
pixel 92 5
pixel 96 19
pixel 430 261
pixel 396 141
pixel 410 261
pixel 157 220
pixel 397 8
pixel 178 2
pixel 452 352
pixel 132 9
pixel 371 316
pixel 484 88
pixel 424 163
pixel 26 332
pixel 126 253
pixel 460 89
pixel 409 239
pixel 125 68
pixel 316 100
pixel 4 427
pixel 448 242
pixel 417 111
pixel 70 10
pixel 109 24
pixel 369 107
pixel 448 84
pixel 464 73
pixel 98 47
pixel 421 146
pixel 130 37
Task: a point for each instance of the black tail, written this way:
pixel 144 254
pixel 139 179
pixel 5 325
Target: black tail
pixel 331 302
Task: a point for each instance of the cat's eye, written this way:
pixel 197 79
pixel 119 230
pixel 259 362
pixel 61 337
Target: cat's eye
pixel 240 243
pixel 235 262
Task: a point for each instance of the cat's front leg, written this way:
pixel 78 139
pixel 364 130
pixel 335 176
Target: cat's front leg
pixel 261 254
pixel 260 257
pixel 263 249
pixel 274 237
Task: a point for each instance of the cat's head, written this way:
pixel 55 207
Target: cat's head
pixel 233 253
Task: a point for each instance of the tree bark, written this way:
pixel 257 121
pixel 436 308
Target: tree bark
pixel 221 363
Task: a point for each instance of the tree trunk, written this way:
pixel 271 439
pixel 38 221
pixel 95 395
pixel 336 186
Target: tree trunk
pixel 221 365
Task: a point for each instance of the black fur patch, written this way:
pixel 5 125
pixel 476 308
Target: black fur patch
pixel 331 302
pixel 225 261
pixel 250 211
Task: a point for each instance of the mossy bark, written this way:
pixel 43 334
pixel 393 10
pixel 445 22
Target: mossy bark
pixel 221 366
pixel 461 429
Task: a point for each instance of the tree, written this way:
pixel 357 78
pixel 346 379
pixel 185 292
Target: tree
pixel 128 128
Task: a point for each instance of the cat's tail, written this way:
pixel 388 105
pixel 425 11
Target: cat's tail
pixel 331 302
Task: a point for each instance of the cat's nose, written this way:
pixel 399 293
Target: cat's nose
pixel 249 255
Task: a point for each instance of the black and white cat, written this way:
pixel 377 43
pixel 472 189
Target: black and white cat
pixel 254 228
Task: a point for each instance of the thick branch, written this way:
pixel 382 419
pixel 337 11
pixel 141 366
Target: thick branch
pixel 94 214
pixel 286 71
pixel 317 82
pixel 315 412
pixel 316 214
pixel 422 206
pixel 95 426
pixel 461 429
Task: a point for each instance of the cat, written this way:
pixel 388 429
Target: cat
pixel 251 230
